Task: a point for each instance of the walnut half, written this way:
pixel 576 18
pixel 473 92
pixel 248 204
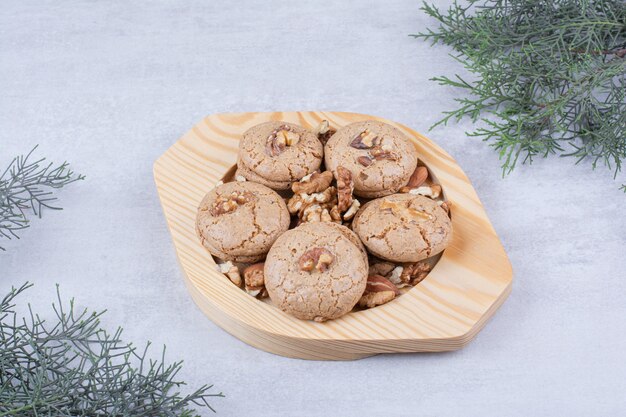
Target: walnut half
pixel 227 203
pixel 345 188
pixel 316 259
pixel 313 183
pixel 279 139
pixel 254 280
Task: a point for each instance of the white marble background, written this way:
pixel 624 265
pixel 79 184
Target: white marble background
pixel 109 85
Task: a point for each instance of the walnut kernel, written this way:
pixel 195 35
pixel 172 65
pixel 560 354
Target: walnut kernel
pixel 345 188
pixel 254 280
pixel 318 259
pixel 313 183
pixel 280 139
pixel 231 271
pixel 228 203
pixel 365 140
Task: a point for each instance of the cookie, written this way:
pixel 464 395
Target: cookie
pixel 239 221
pixel 380 157
pixel 276 154
pixel 317 271
pixel 403 227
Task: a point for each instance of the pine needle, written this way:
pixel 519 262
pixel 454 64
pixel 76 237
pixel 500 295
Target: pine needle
pixel 550 76
pixel 73 367
pixel 26 187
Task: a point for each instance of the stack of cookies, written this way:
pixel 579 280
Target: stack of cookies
pixel 324 222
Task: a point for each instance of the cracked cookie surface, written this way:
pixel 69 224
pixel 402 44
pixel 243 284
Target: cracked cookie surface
pixel 403 227
pixel 316 293
pixel 380 157
pixel 239 221
pixel 276 154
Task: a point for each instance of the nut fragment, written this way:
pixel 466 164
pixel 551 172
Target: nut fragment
pixel 345 187
pixel 354 207
pixel 262 293
pixel 231 271
pixel 318 213
pixel 227 203
pixel 311 213
pixel 418 177
pixel 316 259
pixel 446 205
pixel 404 212
pixel 323 127
pixel 379 153
pixel 396 275
pixel 382 268
pixel 379 290
pixel 279 139
pixel 313 183
pixel 365 160
pixel 432 191
pixel 365 140
pixel 324 131
pixel 335 215
pixel 325 216
pixel 414 273
pixel 254 280
pixel 376 153
pixel 294 204
pixel 240 178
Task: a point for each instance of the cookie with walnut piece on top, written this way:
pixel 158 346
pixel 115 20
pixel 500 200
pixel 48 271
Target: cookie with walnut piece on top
pixel 317 271
pixel 277 154
pixel 380 157
pixel 403 227
pixel 239 221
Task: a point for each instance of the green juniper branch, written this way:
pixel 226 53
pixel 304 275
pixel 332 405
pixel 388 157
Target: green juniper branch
pixel 25 186
pixel 73 367
pixel 550 76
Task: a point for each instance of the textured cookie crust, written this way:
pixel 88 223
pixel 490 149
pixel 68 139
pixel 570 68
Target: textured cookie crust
pixel 316 295
pixel 246 233
pixel 279 171
pixel 382 177
pixel 397 234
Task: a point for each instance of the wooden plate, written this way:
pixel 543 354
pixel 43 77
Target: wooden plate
pixel 444 312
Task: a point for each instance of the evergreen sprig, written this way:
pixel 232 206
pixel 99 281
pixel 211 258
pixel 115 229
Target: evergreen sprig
pixel 26 186
pixel 73 367
pixel 550 75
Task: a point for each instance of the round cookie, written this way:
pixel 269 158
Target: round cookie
pixel 380 157
pixel 239 221
pixel 277 154
pixel 403 227
pixel 317 271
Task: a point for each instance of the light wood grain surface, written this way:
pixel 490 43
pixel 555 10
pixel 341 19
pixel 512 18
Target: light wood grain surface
pixel 444 312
